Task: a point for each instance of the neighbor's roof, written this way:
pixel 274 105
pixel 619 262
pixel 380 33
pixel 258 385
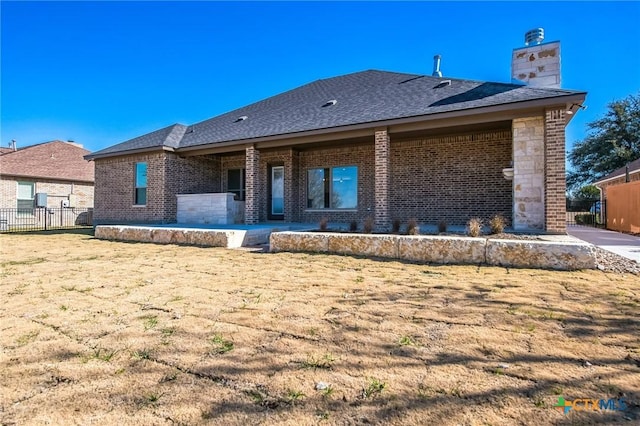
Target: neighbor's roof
pixel 363 97
pixel 50 160
pixel 634 167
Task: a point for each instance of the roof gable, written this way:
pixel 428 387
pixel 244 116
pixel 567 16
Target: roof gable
pixel 51 160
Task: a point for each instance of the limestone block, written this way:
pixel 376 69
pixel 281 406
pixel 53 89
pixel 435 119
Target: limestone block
pixel 299 241
pixel 454 250
pixel 364 244
pixel 541 254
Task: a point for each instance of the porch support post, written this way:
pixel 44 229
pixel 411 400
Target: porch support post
pixel 555 212
pixel 382 165
pixel 252 186
pixel 528 174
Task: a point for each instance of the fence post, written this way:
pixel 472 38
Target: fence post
pixel 46 217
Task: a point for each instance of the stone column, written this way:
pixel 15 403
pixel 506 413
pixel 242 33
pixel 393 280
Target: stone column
pixel 555 216
pixel 528 173
pixel 252 195
pixel 382 165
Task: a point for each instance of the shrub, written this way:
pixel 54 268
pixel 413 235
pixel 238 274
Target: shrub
pixel 412 227
pixel 353 226
pixel 395 226
pixel 585 219
pixel 442 226
pixel 497 224
pixel 324 223
pixel 474 227
pixel 368 225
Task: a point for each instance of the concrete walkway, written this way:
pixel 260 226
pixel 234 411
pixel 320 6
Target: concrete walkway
pixel 616 242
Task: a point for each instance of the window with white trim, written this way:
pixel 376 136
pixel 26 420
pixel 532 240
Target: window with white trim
pixel 25 198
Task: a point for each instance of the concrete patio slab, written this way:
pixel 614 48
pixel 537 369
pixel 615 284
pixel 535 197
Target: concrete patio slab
pixel 616 242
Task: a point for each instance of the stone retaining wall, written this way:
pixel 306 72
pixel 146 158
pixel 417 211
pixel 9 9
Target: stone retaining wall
pixel 443 249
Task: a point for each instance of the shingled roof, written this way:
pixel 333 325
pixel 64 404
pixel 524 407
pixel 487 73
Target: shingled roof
pixel 634 166
pixel 55 160
pixel 360 98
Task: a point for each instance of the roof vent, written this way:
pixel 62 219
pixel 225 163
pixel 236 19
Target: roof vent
pixel 436 66
pixel 332 102
pixel 241 118
pixel 443 83
pixel 534 36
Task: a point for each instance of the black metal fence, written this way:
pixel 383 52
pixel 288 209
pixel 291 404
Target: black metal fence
pixel 44 219
pixel 586 213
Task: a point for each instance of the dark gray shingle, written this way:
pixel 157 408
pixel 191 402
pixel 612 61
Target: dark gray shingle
pixel 362 97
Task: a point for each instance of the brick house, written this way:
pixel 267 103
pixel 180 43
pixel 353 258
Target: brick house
pixel 55 168
pixel 618 177
pixel 376 144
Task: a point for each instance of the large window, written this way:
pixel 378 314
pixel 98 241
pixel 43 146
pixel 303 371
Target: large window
pixel 141 184
pixel 236 182
pixel 332 188
pixel 26 191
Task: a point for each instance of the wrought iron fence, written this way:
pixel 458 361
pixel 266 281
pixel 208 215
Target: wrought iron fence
pixel 44 219
pixel 586 213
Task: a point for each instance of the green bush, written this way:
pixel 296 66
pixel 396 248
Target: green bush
pixel 585 219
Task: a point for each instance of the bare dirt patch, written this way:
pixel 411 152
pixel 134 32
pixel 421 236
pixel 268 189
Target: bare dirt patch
pixel 121 333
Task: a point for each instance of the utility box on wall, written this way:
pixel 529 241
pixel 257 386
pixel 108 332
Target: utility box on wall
pixel 41 199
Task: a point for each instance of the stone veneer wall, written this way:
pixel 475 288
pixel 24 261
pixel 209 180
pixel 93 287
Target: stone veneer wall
pixel 528 173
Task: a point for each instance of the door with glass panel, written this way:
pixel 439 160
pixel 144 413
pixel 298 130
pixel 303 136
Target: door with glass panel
pixel 276 193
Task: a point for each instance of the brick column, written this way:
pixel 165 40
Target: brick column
pixel 381 193
pixel 252 195
pixel 555 216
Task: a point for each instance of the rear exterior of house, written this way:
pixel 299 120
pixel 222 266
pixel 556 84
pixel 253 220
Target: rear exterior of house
pixel 381 145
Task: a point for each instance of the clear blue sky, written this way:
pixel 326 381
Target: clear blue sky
pixel 100 73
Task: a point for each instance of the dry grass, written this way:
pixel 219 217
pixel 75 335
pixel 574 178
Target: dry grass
pixel 114 333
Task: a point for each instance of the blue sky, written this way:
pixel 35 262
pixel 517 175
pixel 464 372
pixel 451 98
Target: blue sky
pixel 100 73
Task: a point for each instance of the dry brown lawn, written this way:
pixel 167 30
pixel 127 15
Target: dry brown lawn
pixel 99 332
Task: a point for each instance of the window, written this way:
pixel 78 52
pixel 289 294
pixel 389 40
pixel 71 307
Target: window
pixel 141 184
pixel 332 188
pixel 236 182
pixel 26 191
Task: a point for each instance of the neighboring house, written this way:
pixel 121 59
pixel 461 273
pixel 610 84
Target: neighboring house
pixel 620 205
pixel 374 144
pixel 619 176
pixel 57 169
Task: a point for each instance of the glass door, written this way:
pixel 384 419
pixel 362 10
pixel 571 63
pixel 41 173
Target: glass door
pixel 277 192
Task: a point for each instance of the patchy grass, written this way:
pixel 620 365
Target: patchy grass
pixel 125 333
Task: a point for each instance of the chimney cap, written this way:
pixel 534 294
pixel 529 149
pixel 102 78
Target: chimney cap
pixel 534 36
